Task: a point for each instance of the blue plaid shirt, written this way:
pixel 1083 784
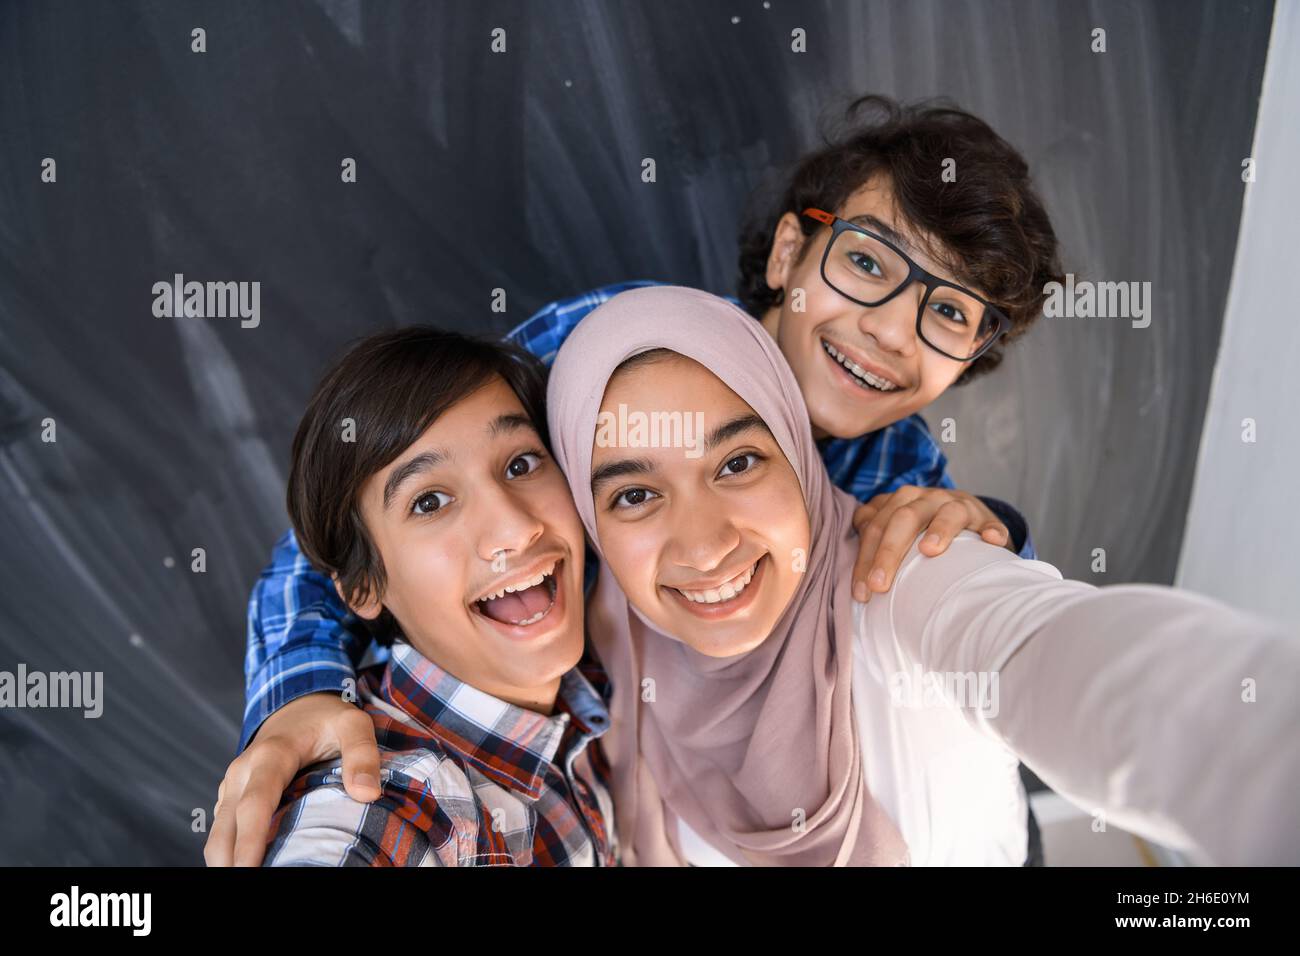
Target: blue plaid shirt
pixel 302 639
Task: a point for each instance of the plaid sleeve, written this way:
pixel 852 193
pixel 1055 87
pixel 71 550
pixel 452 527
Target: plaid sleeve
pixel 545 331
pixel 905 453
pixel 301 638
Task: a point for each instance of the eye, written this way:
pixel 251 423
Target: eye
pixel 741 463
pixel 430 502
pixel 949 312
pixel 524 464
pixel 633 497
pixel 866 263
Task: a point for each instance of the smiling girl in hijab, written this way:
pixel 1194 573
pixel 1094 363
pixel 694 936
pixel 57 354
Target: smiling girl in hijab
pixel 761 716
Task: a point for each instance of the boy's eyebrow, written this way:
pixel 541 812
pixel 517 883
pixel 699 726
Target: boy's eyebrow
pixel 509 422
pixel 501 425
pixel 409 469
pixel 886 230
pixel 889 232
pixel 616 469
pixel 734 427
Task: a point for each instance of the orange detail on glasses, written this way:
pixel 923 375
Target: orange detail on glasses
pixel 820 216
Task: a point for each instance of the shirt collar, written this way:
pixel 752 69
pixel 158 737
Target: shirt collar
pixel 510 744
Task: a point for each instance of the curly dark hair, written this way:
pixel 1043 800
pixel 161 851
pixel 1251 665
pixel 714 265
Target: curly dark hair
pixel 991 225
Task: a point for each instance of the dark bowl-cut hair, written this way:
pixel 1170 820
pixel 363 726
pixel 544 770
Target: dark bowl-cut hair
pixel 392 387
pixel 995 232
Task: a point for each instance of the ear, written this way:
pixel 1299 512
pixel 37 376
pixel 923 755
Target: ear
pixel 787 240
pixel 369 609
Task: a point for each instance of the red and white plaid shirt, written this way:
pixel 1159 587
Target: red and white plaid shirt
pixel 467 779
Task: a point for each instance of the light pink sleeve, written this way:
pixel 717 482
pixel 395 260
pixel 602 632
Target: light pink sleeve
pixel 1175 716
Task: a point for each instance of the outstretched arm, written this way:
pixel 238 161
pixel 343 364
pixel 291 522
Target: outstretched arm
pixel 1172 714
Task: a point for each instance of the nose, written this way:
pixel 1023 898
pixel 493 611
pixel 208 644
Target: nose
pixel 893 323
pixel 503 523
pixel 703 535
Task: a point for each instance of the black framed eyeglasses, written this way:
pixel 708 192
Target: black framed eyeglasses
pixel 868 269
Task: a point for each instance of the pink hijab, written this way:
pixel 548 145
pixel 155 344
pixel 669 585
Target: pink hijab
pixel 758 753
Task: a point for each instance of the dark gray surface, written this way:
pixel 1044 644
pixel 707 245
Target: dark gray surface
pixel 519 170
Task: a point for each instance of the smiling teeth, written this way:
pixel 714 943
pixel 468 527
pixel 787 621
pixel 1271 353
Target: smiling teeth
pixel 875 381
pixel 519 586
pixel 728 590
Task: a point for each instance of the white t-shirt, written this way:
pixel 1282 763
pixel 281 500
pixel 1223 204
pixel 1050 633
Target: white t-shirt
pixel 1131 701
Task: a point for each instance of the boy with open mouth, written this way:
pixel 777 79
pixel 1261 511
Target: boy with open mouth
pixel 422 485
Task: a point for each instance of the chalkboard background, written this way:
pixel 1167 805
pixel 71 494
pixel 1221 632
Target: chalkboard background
pixel 521 171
